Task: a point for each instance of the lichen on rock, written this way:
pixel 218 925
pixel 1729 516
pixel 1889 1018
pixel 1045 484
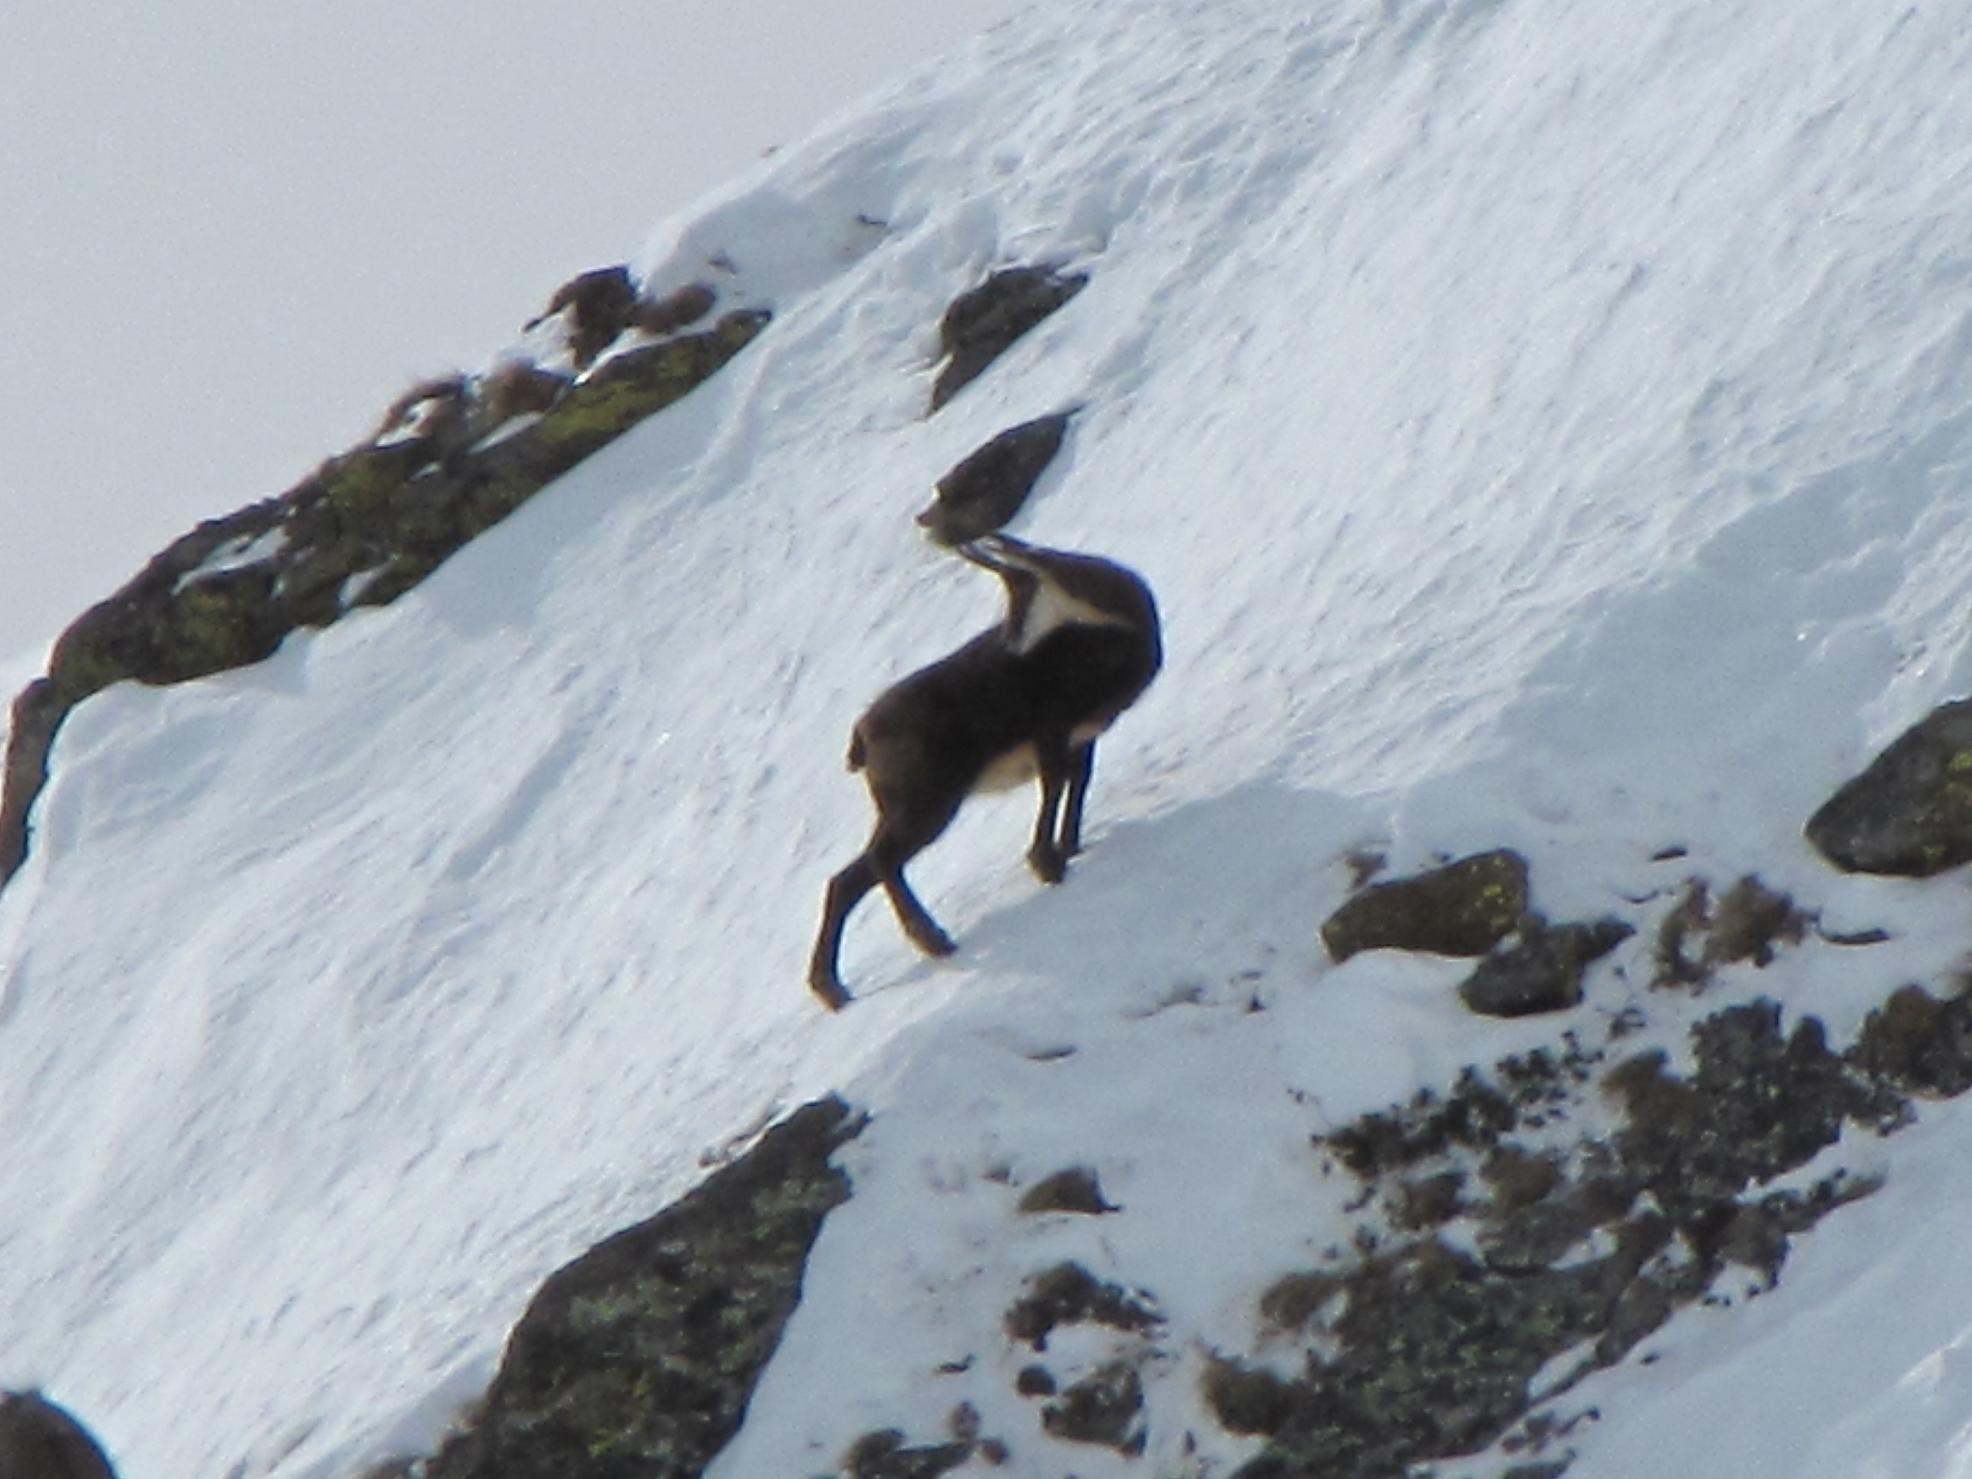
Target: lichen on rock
pixel 1909 812
pixel 639 1358
pixel 1463 908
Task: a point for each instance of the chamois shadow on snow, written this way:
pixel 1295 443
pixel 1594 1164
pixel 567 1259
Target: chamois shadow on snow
pixel 1250 873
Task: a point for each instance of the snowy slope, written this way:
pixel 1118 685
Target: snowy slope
pixel 1542 425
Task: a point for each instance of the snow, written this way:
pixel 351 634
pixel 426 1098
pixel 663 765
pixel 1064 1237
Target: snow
pixel 1542 426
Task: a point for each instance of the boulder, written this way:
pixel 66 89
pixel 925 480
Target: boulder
pixel 39 1440
pixel 1910 811
pixel 640 1356
pixel 1542 970
pixel 989 486
pixel 1463 908
pixel 983 321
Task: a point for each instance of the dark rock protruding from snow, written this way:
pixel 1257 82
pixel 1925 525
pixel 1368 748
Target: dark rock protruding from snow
pixel 1463 908
pixel 640 1357
pixel 1432 1341
pixel 360 531
pixel 1075 1189
pixel 39 1440
pixel 1910 812
pixel 1069 1294
pixel 1542 970
pixel 1918 1043
pixel 1746 923
pixel 990 485
pixel 982 322
pixel 599 306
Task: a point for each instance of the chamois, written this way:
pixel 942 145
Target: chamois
pixel 1024 699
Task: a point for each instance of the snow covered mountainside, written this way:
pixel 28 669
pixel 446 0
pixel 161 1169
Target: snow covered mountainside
pixel 1543 424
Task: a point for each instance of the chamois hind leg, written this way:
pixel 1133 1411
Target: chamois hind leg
pixel 1081 764
pixel 845 892
pixel 1045 855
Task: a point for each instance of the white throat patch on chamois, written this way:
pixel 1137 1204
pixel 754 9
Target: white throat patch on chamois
pixel 1052 608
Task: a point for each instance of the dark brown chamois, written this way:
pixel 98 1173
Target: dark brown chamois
pixel 1025 699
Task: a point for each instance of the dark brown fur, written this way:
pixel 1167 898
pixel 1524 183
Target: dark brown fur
pixel 1080 643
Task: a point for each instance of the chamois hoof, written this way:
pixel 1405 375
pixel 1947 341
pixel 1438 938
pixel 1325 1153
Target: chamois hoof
pixel 1049 866
pixel 934 942
pixel 829 990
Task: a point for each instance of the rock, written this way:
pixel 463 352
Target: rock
pixel 1759 1104
pixel 1542 972
pixel 1073 1190
pixel 674 311
pixel 884 1455
pixel 640 1356
pixel 597 306
pixel 1472 1117
pixel 1747 923
pixel 1069 1294
pixel 1463 908
pixel 1292 1301
pixel 1101 1408
pixel 989 486
pixel 983 321
pixel 1910 811
pixel 37 713
pixel 1429 1201
pixel 40 1440
pixel 1411 1350
pixel 1918 1043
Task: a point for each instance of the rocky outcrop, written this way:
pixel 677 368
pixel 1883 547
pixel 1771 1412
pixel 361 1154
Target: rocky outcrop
pixel 453 459
pixel 1910 811
pixel 989 486
pixel 637 1360
pixel 39 1440
pixel 1483 1259
pixel 983 321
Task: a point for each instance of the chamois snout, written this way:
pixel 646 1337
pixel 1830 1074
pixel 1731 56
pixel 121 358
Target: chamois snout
pixel 1024 699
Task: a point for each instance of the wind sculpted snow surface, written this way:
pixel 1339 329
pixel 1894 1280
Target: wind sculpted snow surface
pixel 1544 425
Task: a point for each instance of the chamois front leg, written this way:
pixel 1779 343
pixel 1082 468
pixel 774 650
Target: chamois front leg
pixel 1045 856
pixel 1081 765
